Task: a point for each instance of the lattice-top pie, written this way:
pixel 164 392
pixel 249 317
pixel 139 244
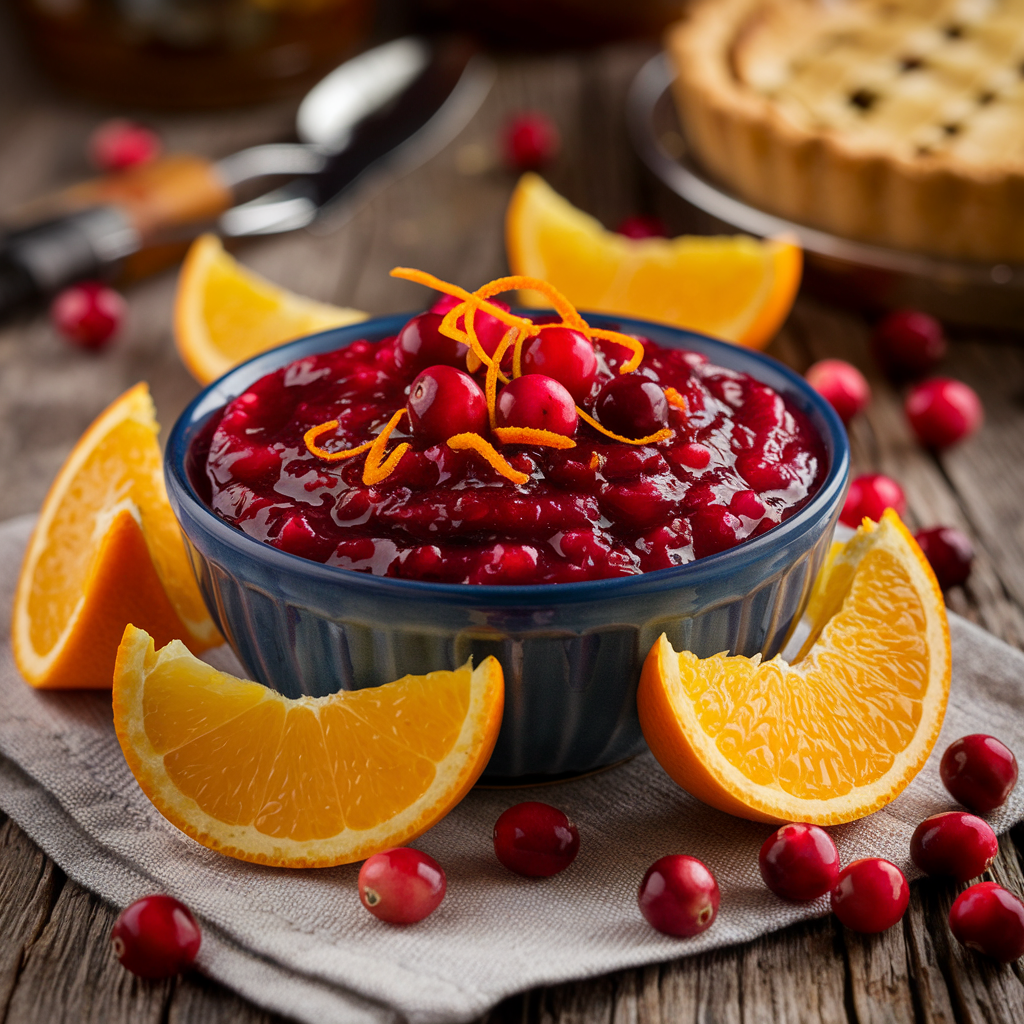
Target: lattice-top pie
pixel 899 122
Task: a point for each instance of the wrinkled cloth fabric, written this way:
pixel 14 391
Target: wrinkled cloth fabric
pixel 300 943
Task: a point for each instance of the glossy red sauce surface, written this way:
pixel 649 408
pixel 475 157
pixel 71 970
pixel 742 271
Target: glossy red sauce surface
pixel 739 461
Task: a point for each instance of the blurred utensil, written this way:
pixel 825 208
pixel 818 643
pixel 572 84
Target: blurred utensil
pixel 395 105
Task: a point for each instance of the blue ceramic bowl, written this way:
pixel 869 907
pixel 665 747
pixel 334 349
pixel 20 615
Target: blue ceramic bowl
pixel 571 652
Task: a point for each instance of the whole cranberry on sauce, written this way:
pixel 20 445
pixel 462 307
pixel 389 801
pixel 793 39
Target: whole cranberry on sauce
pixel 566 355
pixel 842 385
pixel 990 920
pixel 955 844
pixel 949 553
pixel 536 402
pixel 489 329
pixel 420 344
pixel 799 862
pixel 119 144
pixel 401 885
pixel 632 406
pixel 908 344
pixel 870 495
pixel 156 937
pixel 871 895
pixel 88 314
pixel 679 896
pixel 535 839
pixel 531 141
pixel 443 402
pixel 943 412
pixel 979 771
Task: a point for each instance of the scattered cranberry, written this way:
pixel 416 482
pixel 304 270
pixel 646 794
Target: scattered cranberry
pixel 870 495
pixel 88 314
pixel 943 411
pixel 118 144
pixel 908 344
pixel 444 401
pixel 871 895
pixel 641 226
pixel 401 885
pixel 842 385
pixel 989 919
pixel 155 937
pixel 531 141
pixel 949 553
pixel 979 772
pixel 679 896
pixel 799 862
pixel 535 839
pixel 420 344
pixel 535 401
pixel 955 844
pixel 566 355
pixel 632 406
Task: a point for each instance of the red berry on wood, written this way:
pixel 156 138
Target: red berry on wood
pixel 943 412
pixel 871 895
pixel 908 344
pixel 842 385
pixel 989 919
pixel 799 862
pixel 531 141
pixel 979 771
pixel 156 937
pixel 119 144
pixel 955 844
pixel 949 553
pixel 870 495
pixel 88 314
pixel 679 896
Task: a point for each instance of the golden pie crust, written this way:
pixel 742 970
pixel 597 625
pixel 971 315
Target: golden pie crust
pixel 896 122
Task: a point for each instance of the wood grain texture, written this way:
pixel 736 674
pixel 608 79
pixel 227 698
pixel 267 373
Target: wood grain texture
pixel 447 217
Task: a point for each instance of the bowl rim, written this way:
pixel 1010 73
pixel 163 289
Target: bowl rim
pixel 216 394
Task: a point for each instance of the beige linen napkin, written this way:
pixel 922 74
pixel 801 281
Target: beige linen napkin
pixel 299 942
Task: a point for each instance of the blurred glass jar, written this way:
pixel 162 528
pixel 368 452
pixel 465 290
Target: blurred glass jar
pixel 556 23
pixel 183 54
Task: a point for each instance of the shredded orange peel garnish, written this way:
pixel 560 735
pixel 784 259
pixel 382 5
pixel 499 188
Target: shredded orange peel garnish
pixel 518 331
pixel 461 442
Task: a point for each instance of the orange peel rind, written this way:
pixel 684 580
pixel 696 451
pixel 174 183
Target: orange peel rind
pixel 533 435
pixel 311 436
pixel 377 468
pixel 474 442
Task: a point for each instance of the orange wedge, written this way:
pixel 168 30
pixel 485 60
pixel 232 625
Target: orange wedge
pixel 841 731
pixel 300 783
pixel 225 313
pixel 106 551
pixel 732 287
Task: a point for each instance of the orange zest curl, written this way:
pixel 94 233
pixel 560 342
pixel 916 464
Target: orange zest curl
pixel 311 436
pixel 493 372
pixel 377 468
pixel 464 442
pixel 662 435
pixel 626 341
pixel 675 399
pixel 533 435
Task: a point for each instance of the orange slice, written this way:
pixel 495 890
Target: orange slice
pixel 733 287
pixel 107 550
pixel 840 732
pixel 300 783
pixel 225 313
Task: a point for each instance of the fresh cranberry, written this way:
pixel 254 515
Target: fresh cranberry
pixel 538 402
pixel 949 553
pixel 632 406
pixel 870 495
pixel 799 862
pixel 489 329
pixel 566 355
pixel 871 895
pixel 535 839
pixel 88 314
pixel 842 385
pixel 943 411
pixel 444 401
pixel 156 937
pixel 908 344
pixel 955 844
pixel 443 303
pixel 989 919
pixel 531 141
pixel 641 226
pixel 118 144
pixel 679 896
pixel 979 772
pixel 401 885
pixel 420 344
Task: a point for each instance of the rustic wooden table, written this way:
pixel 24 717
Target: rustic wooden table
pixel 55 958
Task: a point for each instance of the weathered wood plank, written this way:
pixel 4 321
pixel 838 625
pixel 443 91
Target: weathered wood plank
pixel 198 1000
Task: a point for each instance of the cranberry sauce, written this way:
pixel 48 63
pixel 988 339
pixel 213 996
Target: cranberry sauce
pixel 739 460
